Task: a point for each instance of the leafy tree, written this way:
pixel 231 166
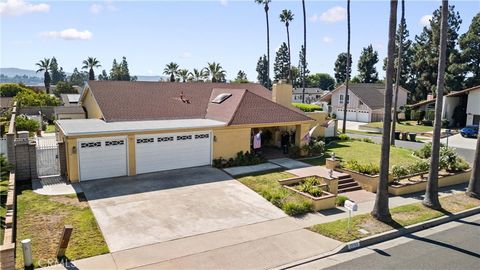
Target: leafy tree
pixel 302 67
pixel 473 189
pixel 77 78
pixel 286 17
pixel 5 167
pixel 22 123
pixel 10 89
pixel 266 8
pixel 171 69
pixel 216 72
pixel 90 64
pixel 44 65
pixel 470 45
pixel 241 77
pixel 431 193
pixel 103 76
pixel 115 71
pixel 183 74
pixel 321 80
pixel 198 75
pixel 28 97
pixel 262 70
pixel 295 72
pixel 281 67
pixel 57 73
pixel 367 72
pixel 124 71
pixel 341 68
pixel 64 88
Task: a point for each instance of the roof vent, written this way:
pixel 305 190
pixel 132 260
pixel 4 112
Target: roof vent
pixel 221 98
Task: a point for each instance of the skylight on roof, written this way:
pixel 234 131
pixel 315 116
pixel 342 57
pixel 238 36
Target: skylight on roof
pixel 221 98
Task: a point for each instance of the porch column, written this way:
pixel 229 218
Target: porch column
pixel 300 132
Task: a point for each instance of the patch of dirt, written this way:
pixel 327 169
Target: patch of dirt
pixel 404 216
pixel 374 226
pixel 74 201
pixel 458 202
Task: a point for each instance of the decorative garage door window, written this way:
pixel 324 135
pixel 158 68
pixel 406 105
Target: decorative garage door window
pixel 184 138
pixel 91 144
pixel 146 140
pixel 165 139
pixel 202 136
pixel 114 143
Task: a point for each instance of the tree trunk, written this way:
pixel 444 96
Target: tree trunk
pixel 347 75
pixel 397 78
pixel 289 57
pixel 91 74
pixel 431 193
pixel 172 78
pixel 380 209
pixel 268 43
pixel 304 50
pixel 473 189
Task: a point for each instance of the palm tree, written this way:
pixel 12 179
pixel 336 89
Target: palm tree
pixel 198 75
pixel 473 189
pixel 431 193
pixel 304 64
pixel 380 210
pixel 183 74
pixel 216 71
pixel 89 64
pixel 347 72
pixel 397 77
pixel 172 70
pixel 265 7
pixel 286 17
pixel 44 65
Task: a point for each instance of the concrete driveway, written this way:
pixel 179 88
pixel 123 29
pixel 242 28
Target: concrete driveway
pixel 458 141
pixel 152 208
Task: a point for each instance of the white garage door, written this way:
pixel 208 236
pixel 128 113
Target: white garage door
pixel 172 151
pixel 351 114
pixel 102 157
pixel 363 116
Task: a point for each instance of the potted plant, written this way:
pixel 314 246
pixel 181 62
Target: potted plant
pixel 405 136
pixel 397 135
pixel 413 137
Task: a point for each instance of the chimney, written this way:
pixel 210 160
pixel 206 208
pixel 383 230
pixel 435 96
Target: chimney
pixel 430 97
pixel 282 93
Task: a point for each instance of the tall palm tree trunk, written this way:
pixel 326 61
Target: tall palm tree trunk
pixel 431 193
pixel 347 77
pixel 397 78
pixel 268 41
pixel 289 57
pixel 473 189
pixel 304 50
pixel 380 209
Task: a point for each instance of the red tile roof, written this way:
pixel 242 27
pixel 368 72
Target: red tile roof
pixel 136 101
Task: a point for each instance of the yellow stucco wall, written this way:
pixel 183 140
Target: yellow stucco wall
pixel 228 142
pixel 282 94
pixel 320 120
pixel 91 106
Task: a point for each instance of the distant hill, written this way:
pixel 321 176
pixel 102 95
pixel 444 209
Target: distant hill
pixel 151 78
pixel 12 72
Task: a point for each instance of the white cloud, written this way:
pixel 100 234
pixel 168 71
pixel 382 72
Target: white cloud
pixel 96 8
pixel 224 3
pixel 327 39
pixel 186 55
pixel 314 18
pixel 20 7
pixel 425 20
pixel 335 14
pixel 68 34
pixel 99 8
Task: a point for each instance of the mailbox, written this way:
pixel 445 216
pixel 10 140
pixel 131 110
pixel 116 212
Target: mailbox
pixel 351 205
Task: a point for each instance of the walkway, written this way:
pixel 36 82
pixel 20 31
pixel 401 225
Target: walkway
pixel 54 185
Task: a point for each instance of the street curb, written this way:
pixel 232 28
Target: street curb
pixel 375 239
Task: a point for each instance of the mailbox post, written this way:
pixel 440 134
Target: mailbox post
pixel 351 207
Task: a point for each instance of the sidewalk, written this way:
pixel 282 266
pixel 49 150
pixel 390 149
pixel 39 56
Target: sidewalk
pixel 262 245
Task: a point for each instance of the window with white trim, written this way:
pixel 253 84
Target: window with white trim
pixel 146 140
pixel 90 144
pixel 165 139
pixel 114 143
pixel 202 136
pixel 184 137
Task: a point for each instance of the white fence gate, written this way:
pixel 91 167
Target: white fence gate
pixel 47 156
pixel 3 146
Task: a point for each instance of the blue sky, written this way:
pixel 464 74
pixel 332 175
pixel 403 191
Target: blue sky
pixel 192 33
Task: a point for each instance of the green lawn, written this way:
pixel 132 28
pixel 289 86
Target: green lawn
pixel 50 129
pixel 402 216
pixel 41 218
pixel 365 153
pixel 405 126
pixel 268 187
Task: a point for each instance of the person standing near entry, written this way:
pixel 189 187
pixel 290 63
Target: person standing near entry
pixel 285 142
pixel 257 141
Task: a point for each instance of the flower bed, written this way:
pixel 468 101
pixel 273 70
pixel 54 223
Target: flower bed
pixel 312 188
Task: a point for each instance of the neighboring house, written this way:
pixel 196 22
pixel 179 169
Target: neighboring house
pixel 460 108
pixel 69 112
pixel 70 99
pixel 312 95
pixel 365 101
pixel 141 127
pixel 6 102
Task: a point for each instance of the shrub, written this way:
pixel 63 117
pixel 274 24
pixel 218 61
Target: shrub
pixel 241 159
pixel 297 208
pixel 22 123
pixel 294 151
pixel 370 168
pixel 310 186
pixel 340 200
pixel 399 171
pixel 64 88
pixel 419 167
pixel 343 137
pixel 429 115
pixel 367 140
pixel 307 107
pixel 5 167
pixel 459 165
pixel 10 89
pixel 28 97
pixel 315 147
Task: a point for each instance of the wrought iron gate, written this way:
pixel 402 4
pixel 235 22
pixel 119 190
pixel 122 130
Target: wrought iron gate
pixel 48 162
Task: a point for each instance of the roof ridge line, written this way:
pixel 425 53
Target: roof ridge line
pixel 236 109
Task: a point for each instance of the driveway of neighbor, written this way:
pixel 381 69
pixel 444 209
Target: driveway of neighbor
pixel 351 125
pixel 151 208
pixel 458 141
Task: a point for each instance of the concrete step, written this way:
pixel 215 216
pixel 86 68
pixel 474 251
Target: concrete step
pixel 347 185
pixel 349 189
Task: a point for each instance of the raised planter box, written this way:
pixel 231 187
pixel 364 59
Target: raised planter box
pixel 326 201
pixel 332 183
pixel 406 188
pixel 366 181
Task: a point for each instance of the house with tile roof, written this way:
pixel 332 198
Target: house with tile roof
pixel 141 127
pixel 365 101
